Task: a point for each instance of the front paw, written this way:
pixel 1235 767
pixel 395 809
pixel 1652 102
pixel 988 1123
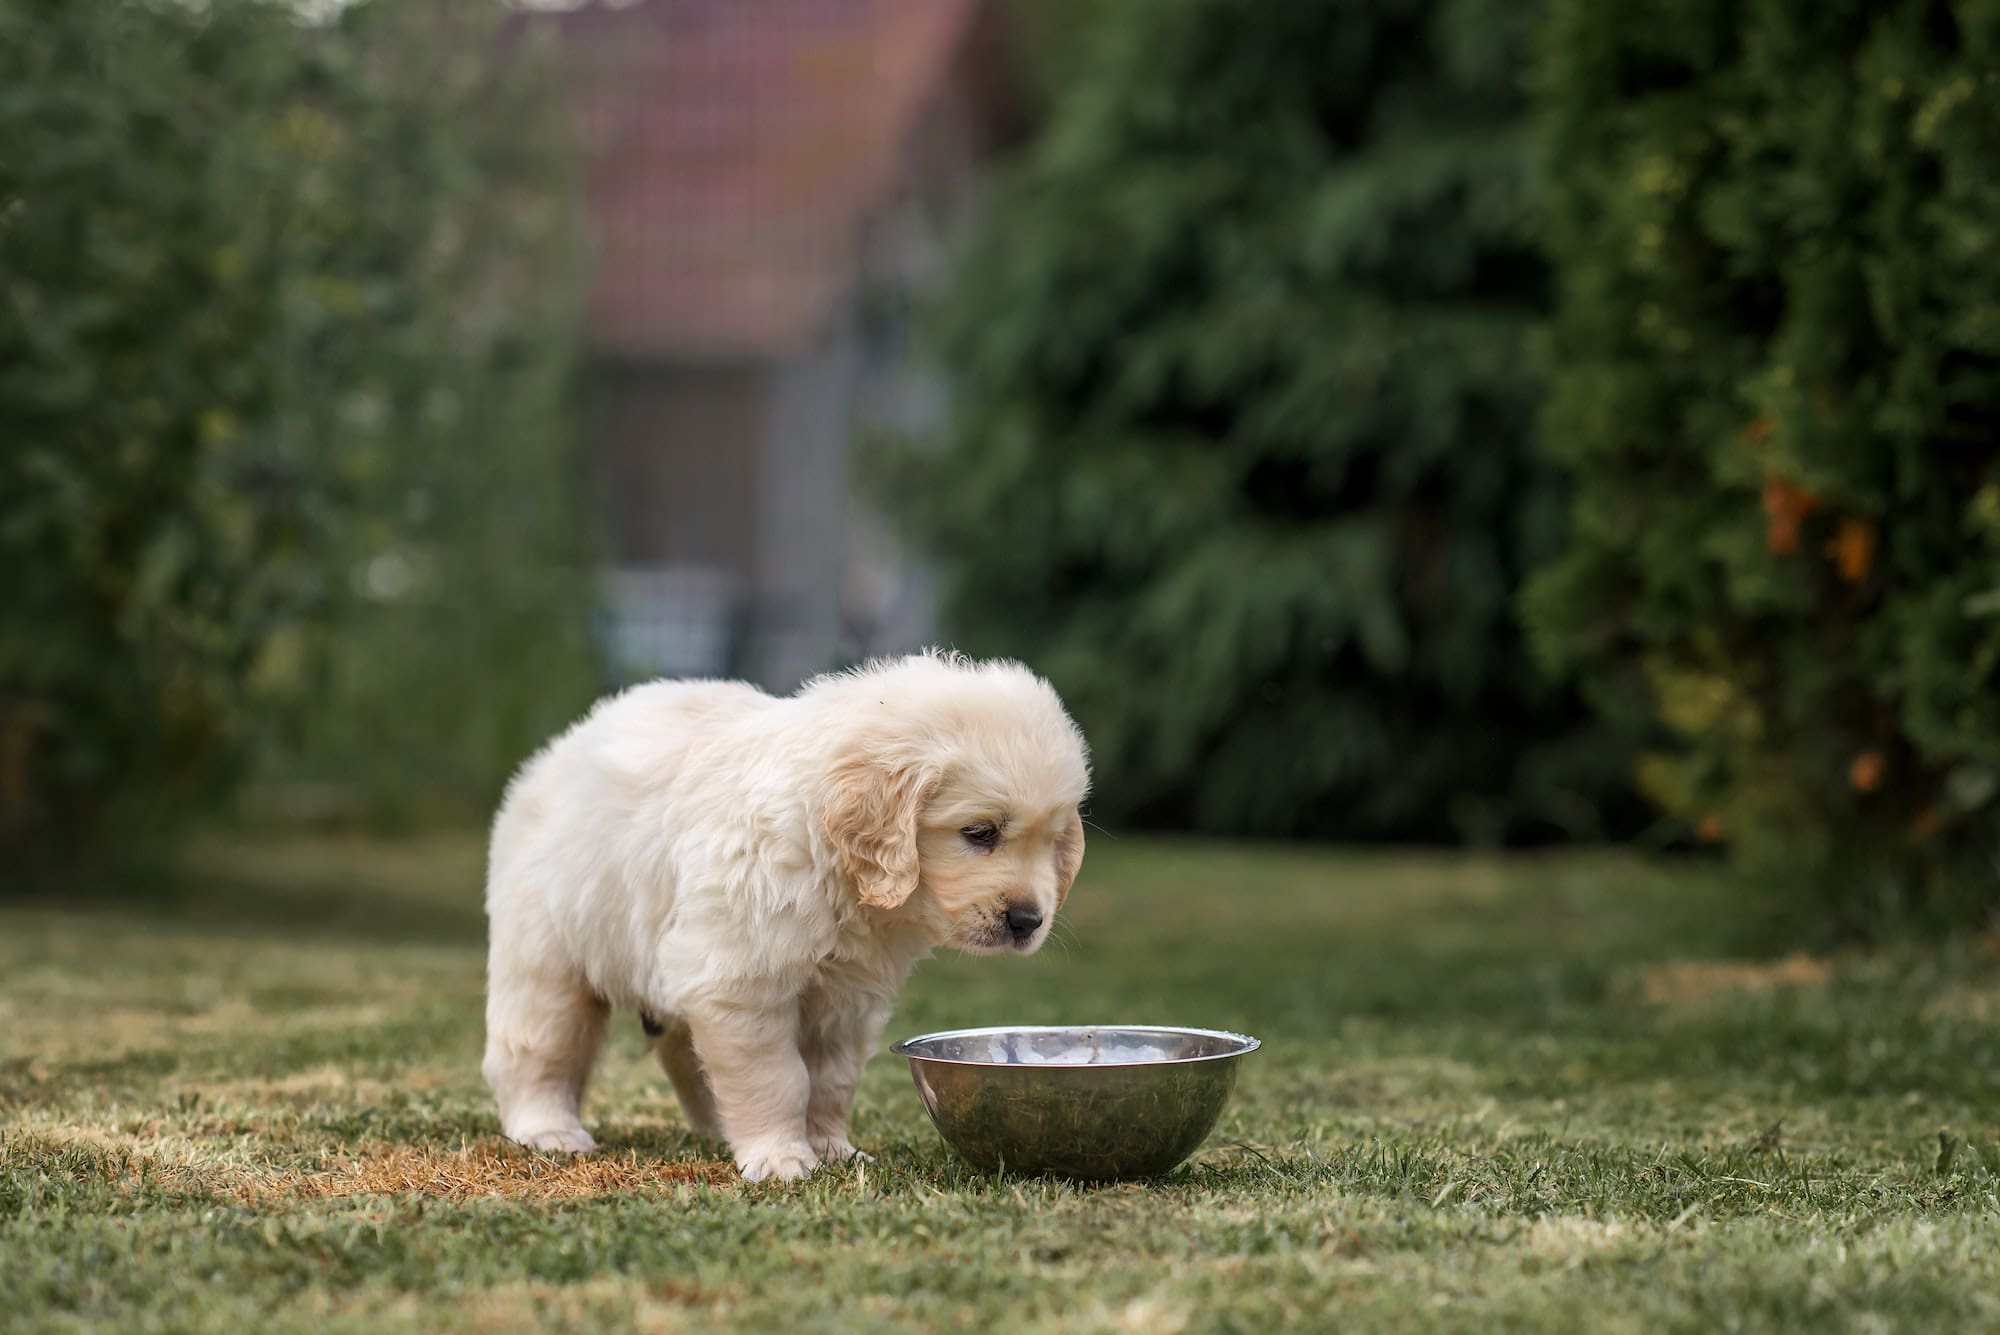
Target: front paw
pixel 557 1140
pixel 836 1149
pixel 780 1163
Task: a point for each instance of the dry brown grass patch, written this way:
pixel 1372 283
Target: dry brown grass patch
pixel 489 1169
pixel 1561 1236
pixel 59 1032
pixel 1690 982
pixel 1965 1002
pixel 493 1170
pixel 619 1304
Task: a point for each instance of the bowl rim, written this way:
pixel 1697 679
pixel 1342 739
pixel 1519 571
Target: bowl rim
pixel 1245 1045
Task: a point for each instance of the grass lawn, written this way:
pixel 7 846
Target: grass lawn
pixel 1494 1094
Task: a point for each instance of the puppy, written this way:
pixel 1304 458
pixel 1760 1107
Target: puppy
pixel 756 876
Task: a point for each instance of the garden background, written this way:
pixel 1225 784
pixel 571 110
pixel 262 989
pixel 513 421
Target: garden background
pixel 1509 491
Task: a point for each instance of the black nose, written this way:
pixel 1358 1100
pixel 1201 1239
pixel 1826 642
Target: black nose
pixel 1022 920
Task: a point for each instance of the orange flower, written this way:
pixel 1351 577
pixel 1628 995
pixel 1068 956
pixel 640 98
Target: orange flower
pixel 1865 771
pixel 1852 548
pixel 1927 823
pixel 1709 828
pixel 1785 507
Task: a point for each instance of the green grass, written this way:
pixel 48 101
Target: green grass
pixel 1494 1094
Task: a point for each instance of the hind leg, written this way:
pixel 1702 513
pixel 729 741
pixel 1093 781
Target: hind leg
pixel 543 1034
pixel 675 1049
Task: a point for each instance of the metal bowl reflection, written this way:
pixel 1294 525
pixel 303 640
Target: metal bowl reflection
pixel 1093 1102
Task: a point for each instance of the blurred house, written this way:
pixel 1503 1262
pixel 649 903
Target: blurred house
pixel 769 184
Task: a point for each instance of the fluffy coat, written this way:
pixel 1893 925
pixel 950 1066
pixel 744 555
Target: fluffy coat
pixel 757 876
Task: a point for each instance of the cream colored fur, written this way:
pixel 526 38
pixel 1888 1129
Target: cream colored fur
pixel 759 875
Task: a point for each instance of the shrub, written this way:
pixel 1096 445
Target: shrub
pixel 1238 449
pixel 283 320
pixel 1776 230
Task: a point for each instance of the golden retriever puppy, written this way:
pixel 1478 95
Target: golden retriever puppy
pixel 756 876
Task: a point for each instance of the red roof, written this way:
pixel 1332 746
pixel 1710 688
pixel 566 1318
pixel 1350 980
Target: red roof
pixel 734 149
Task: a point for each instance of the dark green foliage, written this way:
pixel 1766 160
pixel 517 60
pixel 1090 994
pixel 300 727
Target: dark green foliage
pixel 1242 373
pixel 1777 231
pixel 283 319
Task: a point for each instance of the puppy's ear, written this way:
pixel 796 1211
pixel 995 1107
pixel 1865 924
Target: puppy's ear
pixel 1069 857
pixel 871 815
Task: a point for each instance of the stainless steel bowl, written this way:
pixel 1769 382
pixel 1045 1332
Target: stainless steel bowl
pixel 1089 1102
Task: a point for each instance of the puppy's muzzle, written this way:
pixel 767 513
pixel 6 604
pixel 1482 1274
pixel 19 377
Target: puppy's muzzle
pixel 1022 922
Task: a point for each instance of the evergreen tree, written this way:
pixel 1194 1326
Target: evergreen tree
pixel 1238 454
pixel 285 313
pixel 1776 229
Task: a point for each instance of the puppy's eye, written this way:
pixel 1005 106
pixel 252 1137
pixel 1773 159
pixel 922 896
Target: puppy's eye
pixel 984 835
